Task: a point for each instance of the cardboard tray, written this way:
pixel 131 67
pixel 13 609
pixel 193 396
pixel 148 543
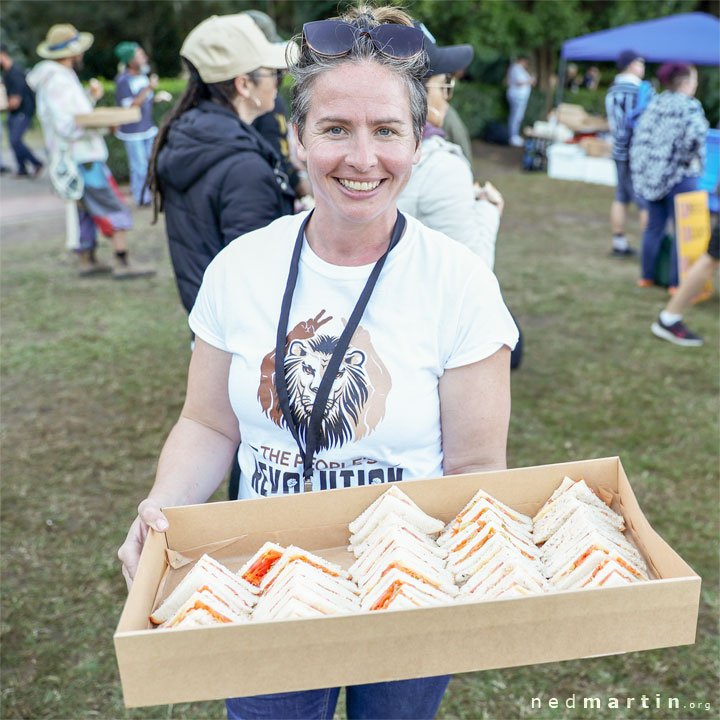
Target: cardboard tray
pixel 104 117
pixel 160 667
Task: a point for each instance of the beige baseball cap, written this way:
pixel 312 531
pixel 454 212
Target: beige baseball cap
pixel 225 46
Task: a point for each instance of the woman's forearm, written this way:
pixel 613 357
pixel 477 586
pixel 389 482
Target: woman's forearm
pixel 192 464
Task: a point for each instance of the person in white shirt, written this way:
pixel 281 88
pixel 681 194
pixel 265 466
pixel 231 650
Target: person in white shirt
pixel 60 97
pixel 398 332
pixel 441 192
pixel 519 86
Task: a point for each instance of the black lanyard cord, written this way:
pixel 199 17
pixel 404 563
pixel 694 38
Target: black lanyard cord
pixel 312 437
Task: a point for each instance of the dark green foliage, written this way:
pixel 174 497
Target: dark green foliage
pixel 495 29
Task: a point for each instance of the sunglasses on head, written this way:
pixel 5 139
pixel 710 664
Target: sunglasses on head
pixel 335 38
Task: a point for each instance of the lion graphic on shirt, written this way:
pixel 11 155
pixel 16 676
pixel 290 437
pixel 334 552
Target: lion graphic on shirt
pixel 356 403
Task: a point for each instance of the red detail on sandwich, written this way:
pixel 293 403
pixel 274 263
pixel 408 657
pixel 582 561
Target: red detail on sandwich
pixel 199 605
pixel 260 568
pixel 411 573
pixel 388 595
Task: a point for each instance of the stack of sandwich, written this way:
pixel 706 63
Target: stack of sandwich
pixel 302 585
pixel 491 552
pixel 583 541
pixel 399 564
pixel 208 595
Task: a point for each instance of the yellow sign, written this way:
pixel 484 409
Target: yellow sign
pixel 692 230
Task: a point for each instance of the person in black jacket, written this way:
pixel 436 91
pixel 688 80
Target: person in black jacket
pixel 211 173
pixel 21 103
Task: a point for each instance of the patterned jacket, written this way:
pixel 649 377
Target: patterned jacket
pixel 620 101
pixel 668 144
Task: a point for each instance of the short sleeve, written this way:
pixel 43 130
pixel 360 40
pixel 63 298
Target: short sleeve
pixel 206 317
pixel 484 324
pixel 123 94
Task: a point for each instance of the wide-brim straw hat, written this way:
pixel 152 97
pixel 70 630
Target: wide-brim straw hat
pixel 64 41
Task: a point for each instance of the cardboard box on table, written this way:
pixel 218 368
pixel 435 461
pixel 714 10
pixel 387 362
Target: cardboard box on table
pixel 170 666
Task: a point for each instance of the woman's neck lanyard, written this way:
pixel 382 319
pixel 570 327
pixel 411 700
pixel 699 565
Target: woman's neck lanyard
pixel 312 436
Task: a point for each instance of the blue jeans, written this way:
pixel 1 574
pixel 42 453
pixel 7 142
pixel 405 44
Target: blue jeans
pixel 18 123
pixel 401 700
pixel 139 152
pixel 659 212
pixel 518 105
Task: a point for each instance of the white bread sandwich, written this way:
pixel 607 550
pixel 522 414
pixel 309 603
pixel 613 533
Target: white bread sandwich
pixel 425 592
pixel 395 501
pixel 255 569
pixel 210 573
pixel 298 571
pixel 608 574
pixel 212 608
pixel 561 504
pixel 394 523
pixel 295 553
pixel 579 568
pixel 478 504
pixel 480 554
pixel 595 539
pixel 410 563
pixel 474 522
pixel 386 548
pixel 493 580
pixel 300 592
pixel 465 539
pixel 579 523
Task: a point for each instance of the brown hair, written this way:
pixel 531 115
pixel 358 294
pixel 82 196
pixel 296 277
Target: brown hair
pixel 223 93
pixel 309 65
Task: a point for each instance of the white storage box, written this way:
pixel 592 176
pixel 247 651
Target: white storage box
pixel 600 170
pixel 566 162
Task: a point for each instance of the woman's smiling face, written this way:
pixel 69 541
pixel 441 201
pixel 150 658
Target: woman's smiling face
pixel 358 142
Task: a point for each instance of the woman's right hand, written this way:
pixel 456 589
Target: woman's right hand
pixel 150 515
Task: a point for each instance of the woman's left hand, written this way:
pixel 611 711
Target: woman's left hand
pixel 490 193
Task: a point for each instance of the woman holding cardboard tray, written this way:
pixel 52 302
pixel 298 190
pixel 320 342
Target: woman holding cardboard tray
pixel 351 335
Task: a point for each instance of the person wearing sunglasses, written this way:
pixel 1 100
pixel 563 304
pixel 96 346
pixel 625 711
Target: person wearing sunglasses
pixel 351 336
pixel 273 125
pixel 211 173
pixel 441 192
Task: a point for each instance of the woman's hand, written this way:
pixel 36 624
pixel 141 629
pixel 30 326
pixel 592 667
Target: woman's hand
pixel 96 89
pixel 490 193
pixel 150 515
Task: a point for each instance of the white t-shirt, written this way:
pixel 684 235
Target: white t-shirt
pixel 435 306
pixel 519 81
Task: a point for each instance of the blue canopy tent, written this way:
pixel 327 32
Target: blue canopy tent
pixel 688 37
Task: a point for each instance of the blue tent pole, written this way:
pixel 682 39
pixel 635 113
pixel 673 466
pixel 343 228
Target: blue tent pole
pixel 560 82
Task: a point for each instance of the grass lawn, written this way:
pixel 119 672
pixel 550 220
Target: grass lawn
pixel 93 375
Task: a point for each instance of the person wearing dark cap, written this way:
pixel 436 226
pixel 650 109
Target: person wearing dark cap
pixel 441 192
pixel 622 105
pixel 135 87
